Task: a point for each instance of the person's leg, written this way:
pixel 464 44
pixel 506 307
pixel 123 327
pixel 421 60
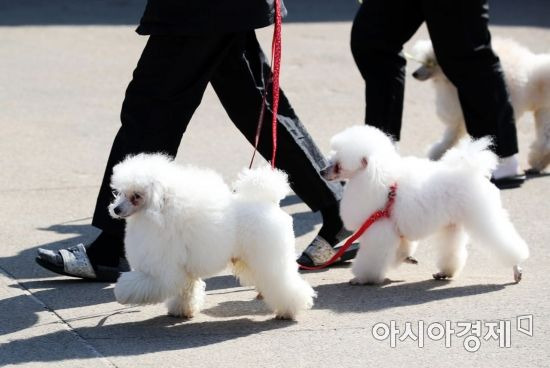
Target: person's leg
pixel 380 29
pixel 239 82
pixel 462 44
pixel 167 86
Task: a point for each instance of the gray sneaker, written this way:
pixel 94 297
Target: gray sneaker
pixel 74 262
pixel 320 250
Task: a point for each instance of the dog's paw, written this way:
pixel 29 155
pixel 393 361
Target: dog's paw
pixel 370 280
pixel 357 281
pixel 284 317
pixel 441 276
pixel 518 273
pixel 178 308
pixel 411 260
pixel 180 314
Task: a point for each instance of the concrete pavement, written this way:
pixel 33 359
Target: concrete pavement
pixel 63 71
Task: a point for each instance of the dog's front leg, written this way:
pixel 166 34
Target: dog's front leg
pixel 189 300
pixel 377 253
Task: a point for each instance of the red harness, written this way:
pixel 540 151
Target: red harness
pixel 380 214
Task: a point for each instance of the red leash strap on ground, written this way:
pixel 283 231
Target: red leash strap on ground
pixel 276 47
pixel 385 213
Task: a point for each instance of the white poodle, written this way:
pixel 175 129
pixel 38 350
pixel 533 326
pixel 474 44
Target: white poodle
pixel 184 224
pixel 451 198
pixel 528 80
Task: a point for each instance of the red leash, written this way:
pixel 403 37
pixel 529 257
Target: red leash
pixel 380 214
pixel 276 47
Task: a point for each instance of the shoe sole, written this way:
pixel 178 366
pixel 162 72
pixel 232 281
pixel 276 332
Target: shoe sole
pixel 509 182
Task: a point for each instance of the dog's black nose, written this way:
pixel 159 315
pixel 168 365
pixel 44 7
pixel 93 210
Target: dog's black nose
pixel 415 74
pixel 117 210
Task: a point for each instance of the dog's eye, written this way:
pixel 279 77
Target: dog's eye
pixel 135 198
pixel 337 169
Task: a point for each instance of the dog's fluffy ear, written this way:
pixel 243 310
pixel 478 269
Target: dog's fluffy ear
pixel 155 203
pixel 379 168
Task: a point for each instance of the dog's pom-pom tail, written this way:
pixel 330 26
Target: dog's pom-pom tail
pixel 473 155
pixel 500 237
pixel 495 229
pixel 262 184
pixel 490 225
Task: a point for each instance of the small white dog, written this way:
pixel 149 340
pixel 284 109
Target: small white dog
pixel 184 224
pixel 451 198
pixel 528 79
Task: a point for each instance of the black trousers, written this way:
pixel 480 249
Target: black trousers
pixel 168 85
pixel 462 44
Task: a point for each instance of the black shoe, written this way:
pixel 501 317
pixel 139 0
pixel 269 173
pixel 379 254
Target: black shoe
pixel 509 182
pixel 74 262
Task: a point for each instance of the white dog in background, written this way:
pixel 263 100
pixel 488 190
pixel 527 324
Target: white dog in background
pixel 184 224
pixel 528 79
pixel 451 198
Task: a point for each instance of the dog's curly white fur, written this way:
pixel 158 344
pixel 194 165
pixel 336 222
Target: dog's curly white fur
pixel 451 198
pixel 184 224
pixel 527 78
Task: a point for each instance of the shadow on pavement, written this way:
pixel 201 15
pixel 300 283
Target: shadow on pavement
pixel 345 298
pixel 236 308
pixel 136 338
pixel 56 294
pixel 165 333
pixel 128 12
pixel 59 294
